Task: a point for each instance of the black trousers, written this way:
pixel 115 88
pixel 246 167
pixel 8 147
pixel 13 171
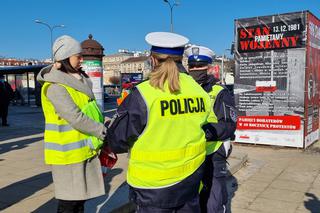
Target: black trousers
pixel 70 206
pixel 191 206
pixel 214 195
pixel 4 113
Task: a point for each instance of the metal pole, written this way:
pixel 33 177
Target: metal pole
pixel 222 69
pixel 51 43
pixel 28 88
pixel 51 31
pixel 224 73
pixel 171 12
pixel 15 91
pixel 271 112
pixel 171 26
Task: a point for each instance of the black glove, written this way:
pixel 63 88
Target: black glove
pixel 211 132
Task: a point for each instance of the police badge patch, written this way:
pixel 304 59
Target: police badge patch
pixel 233 114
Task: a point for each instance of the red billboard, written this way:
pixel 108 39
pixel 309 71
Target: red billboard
pixel 277 79
pixel 269 122
pixel 312 80
pixel 271 36
pixel 215 71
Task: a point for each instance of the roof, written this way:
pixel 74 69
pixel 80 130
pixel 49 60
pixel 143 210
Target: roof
pixel 135 59
pixel 91 43
pixel 118 55
pixel 21 69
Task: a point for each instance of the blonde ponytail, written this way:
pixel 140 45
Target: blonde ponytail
pixel 166 70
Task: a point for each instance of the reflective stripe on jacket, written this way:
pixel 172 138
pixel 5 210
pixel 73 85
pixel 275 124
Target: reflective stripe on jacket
pixel 64 144
pixel 172 145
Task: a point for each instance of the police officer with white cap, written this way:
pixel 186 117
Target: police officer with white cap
pixel 219 130
pixel 160 125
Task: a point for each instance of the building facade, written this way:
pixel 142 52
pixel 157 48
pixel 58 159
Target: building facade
pixel 138 64
pixel 111 65
pixel 4 62
pixel 124 62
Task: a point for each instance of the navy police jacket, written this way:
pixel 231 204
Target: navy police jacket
pixel 224 109
pixel 124 129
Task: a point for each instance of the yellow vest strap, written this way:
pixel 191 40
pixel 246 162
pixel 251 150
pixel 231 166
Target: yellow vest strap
pixel 191 150
pixel 68 147
pixel 215 90
pixel 58 128
pixel 213 146
pixel 160 174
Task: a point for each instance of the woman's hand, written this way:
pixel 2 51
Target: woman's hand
pixel 107 121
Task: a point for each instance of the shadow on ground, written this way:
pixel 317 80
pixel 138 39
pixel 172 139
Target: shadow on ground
pixel 20 190
pixel 11 133
pixel 24 121
pixel 93 205
pixel 20 144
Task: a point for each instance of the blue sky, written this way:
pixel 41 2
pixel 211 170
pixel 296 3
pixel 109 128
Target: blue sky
pixel 123 24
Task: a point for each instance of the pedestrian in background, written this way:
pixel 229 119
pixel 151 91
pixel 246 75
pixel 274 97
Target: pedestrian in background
pixel 126 90
pixel 17 96
pixel 74 129
pixel 159 124
pixel 219 130
pixel 6 95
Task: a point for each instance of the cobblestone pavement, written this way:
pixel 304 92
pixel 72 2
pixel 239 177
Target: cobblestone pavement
pixel 274 180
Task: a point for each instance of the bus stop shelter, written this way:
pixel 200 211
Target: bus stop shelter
pixel 23 80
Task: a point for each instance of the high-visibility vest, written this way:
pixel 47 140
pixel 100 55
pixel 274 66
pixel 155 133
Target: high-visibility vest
pixel 213 146
pixel 124 94
pixel 172 145
pixel 62 143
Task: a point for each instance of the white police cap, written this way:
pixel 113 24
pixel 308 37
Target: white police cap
pixel 167 43
pixel 197 53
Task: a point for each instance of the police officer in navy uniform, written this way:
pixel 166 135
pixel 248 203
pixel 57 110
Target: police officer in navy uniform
pixel 219 130
pixel 160 125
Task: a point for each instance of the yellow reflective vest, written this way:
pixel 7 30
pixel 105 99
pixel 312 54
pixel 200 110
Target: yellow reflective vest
pixel 213 146
pixel 62 143
pixel 172 145
pixel 124 94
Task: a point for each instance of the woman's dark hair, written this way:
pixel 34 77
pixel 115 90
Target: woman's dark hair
pixel 67 68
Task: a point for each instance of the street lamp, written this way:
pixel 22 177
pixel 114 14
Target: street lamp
pixel 171 7
pixel 51 29
pixel 222 67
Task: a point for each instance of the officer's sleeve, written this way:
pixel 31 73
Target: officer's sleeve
pixel 128 123
pixel 226 113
